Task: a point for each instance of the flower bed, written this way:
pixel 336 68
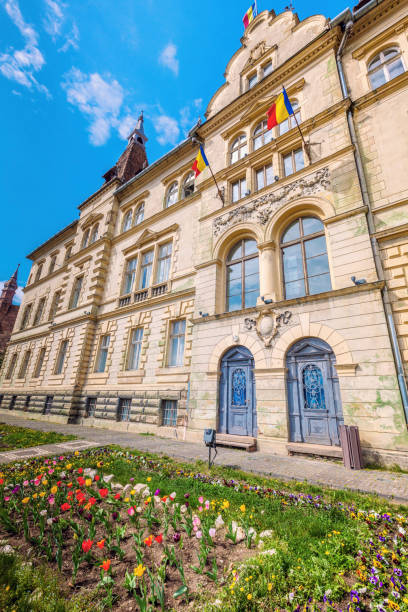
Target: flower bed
pixel 164 537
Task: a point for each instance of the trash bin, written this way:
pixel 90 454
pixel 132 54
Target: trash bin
pixel 350 443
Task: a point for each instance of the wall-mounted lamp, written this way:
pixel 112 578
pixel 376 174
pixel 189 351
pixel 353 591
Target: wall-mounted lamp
pixel 276 178
pixel 266 301
pixel 203 314
pixel 87 312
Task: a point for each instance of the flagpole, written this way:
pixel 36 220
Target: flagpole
pixel 303 140
pixel 220 194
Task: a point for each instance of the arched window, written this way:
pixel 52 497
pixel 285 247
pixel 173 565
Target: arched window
pixel 242 275
pixel 290 122
pixel 85 239
pixel 127 220
pixel 139 214
pixel 385 66
pixel 261 135
pixel 94 234
pixel 239 148
pixel 304 256
pixel 188 185
pixel 172 195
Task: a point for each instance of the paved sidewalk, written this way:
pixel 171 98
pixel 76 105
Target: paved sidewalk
pixel 314 471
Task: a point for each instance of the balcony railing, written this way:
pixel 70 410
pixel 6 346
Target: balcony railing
pixel 144 294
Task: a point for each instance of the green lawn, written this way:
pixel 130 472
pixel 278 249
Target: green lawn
pixel 12 437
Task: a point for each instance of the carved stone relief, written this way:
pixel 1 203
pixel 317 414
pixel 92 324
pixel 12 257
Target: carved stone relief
pixel 261 209
pixel 267 324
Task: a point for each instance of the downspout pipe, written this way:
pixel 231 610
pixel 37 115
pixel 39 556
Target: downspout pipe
pixel 402 383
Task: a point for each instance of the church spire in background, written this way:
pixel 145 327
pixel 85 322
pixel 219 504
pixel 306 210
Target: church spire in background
pixel 8 291
pixel 133 159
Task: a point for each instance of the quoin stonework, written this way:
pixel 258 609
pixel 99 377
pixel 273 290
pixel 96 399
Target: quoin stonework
pixel 273 314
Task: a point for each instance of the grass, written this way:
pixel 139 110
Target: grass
pixel 313 542
pixel 12 437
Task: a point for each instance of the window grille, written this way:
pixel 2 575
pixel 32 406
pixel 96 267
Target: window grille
pixel 124 409
pixel 48 404
pixel 90 406
pixel 169 413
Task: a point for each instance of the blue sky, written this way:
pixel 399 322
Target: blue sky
pixel 74 76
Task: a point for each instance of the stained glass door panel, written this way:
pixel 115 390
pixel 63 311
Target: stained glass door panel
pixel 236 411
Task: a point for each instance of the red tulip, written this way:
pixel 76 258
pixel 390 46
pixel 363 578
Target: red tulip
pixel 80 470
pixel 65 507
pixel 159 538
pixel 87 545
pixel 105 565
pixel 81 481
pixel 104 492
pixel 92 501
pixel 96 478
pixel 100 544
pixel 117 496
pixel 148 541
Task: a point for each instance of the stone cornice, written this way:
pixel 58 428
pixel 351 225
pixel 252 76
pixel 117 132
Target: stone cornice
pixel 375 43
pixel 322 44
pixel 115 182
pixel 382 92
pixel 90 220
pixel 392 232
pixel 136 200
pixel 103 240
pixel 56 239
pixel 146 304
pixel 63 268
pixel 374 16
pixel 173 176
pixel 375 286
pixel 361 210
pixel 390 205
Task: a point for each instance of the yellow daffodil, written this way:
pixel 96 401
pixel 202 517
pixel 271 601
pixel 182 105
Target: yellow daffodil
pixel 68 466
pixel 242 508
pixel 42 493
pixel 54 490
pixel 25 500
pixel 149 478
pixel 269 586
pixel 88 482
pixel 76 453
pixel 249 596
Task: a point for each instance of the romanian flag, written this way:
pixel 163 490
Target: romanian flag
pixel 200 163
pixel 280 110
pixel 249 15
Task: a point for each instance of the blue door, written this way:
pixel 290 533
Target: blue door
pixel 315 411
pixel 237 393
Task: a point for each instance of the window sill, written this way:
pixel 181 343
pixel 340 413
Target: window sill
pixel 131 373
pixel 172 370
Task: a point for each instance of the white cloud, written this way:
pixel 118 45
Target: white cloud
pixel 168 130
pixel 189 115
pixel 168 58
pixel 100 99
pixel 20 65
pixel 58 24
pixel 18 296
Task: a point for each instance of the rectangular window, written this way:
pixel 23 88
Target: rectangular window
pixel 264 177
pixel 38 273
pixel 40 362
pixel 39 312
pixel 129 275
pixel 27 402
pixel 54 305
pixel 68 252
pixel 11 367
pixel 61 357
pixel 293 162
pixel 146 270
pixel 24 365
pixel 139 215
pixel 238 190
pixel 267 69
pixel 123 409
pixel 90 406
pixel 76 292
pixel 169 410
pixel 102 354
pixel 177 334
pixel 1 399
pixel 163 266
pixel 136 340
pixel 52 264
pixel 48 404
pixel 26 316
pixel 252 80
pixel 12 402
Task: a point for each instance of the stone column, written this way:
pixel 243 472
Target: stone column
pixel 267 280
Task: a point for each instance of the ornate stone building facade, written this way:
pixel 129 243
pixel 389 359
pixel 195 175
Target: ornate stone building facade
pixel 274 315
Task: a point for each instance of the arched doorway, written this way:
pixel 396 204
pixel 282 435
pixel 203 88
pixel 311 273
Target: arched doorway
pixel 237 412
pixel 315 411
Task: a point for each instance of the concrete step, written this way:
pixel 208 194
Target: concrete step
pixel 248 443
pixel 302 448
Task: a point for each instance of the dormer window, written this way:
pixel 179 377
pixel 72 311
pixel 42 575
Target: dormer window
pixel 267 69
pixel 252 80
pixel 172 194
pixel 239 148
pixel 385 66
pixel 188 185
pixel 261 135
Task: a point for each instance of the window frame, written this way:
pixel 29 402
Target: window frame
pixel 237 146
pixel 383 66
pixel 124 409
pixel 85 238
pixel 40 311
pixel 54 305
pixel 189 177
pixel 53 263
pixel 94 234
pixel 242 261
pixel 89 413
pixel 143 266
pixel 292 154
pixel 103 350
pixel 38 272
pixel 269 63
pixel 291 121
pixel 263 124
pixel 303 238
pixel 157 259
pixel 129 273
pixel 40 362
pixel 127 215
pixel 263 169
pixel 181 338
pixel 78 280
pixel 48 404
pixel 134 347
pixel 139 210
pixel 252 80
pixel 24 365
pixel 241 194
pixel 170 191
pixel 171 411
pixel 11 366
pixel 26 316
pixel 61 357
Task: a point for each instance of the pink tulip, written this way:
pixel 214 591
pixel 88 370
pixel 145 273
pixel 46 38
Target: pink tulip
pixel 199 535
pixel 131 511
pixel 212 532
pixel 201 499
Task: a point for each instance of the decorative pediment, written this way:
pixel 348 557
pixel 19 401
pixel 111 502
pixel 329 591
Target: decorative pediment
pixel 90 220
pixel 261 209
pixel 148 236
pixel 258 53
pixel 310 348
